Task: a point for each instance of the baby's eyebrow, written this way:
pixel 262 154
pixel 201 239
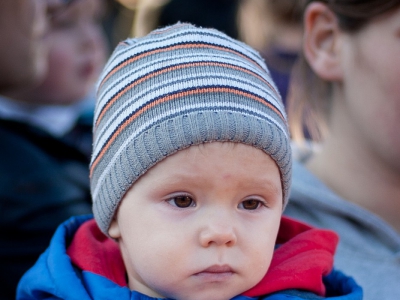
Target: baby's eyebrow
pixel 265 184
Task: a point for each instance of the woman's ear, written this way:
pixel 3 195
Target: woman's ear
pixel 322 41
pixel 113 230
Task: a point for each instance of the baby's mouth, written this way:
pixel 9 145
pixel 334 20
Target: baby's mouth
pixel 216 273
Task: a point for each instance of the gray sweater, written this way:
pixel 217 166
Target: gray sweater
pixel 369 248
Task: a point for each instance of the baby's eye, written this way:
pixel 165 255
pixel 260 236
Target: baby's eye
pixel 183 201
pixel 250 204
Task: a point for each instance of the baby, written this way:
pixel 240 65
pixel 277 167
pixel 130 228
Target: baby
pixel 190 173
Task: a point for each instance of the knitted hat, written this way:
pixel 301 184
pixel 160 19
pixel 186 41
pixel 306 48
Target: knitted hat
pixel 176 87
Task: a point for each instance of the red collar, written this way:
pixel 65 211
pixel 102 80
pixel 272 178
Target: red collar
pixel 304 256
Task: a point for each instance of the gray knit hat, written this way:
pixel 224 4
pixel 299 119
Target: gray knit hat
pixel 176 87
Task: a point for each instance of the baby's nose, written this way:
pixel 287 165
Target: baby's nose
pixel 218 233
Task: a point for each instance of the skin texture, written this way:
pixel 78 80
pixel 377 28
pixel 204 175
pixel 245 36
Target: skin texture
pixel 359 159
pixel 77 51
pixel 233 196
pixel 23 26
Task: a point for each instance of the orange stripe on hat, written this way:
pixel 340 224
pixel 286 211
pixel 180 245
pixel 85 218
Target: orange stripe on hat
pixel 167 98
pixel 172 48
pixel 172 68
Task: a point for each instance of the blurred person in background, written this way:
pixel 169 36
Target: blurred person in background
pixel 346 94
pixel 23 28
pixel 274 28
pixel 23 62
pixel 45 138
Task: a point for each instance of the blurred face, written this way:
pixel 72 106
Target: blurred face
pixel 76 54
pixel 22 50
pixel 202 223
pixel 371 64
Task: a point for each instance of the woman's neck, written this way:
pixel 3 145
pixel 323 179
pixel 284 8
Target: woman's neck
pixel 358 175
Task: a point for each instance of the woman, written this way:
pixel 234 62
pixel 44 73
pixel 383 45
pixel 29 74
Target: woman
pixel 346 94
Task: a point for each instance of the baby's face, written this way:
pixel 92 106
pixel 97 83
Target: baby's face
pixel 202 223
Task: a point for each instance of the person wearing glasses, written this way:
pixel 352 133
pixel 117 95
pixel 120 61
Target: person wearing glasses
pixel 43 178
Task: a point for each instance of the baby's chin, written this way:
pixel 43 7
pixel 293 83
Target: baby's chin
pixel 216 292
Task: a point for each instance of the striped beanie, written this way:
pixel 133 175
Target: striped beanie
pixel 176 87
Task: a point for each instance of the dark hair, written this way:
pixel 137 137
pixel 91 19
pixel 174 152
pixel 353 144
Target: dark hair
pixel 309 103
pixel 286 11
pixel 218 14
pixel 354 14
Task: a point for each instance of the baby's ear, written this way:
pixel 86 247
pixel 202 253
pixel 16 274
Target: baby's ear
pixel 322 38
pixel 113 230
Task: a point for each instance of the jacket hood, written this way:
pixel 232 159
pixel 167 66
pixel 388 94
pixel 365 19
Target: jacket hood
pixel 83 263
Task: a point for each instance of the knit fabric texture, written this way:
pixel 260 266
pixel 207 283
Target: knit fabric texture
pixel 176 87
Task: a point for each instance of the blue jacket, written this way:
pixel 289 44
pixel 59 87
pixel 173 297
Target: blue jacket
pixel 55 277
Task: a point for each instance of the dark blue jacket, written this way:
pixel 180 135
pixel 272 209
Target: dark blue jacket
pixel 43 181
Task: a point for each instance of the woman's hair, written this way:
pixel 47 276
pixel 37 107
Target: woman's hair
pixel 285 11
pixel 309 99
